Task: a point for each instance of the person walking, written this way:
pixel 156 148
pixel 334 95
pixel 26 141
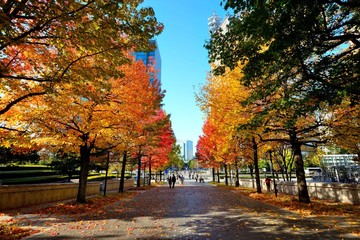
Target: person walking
pixel 169 180
pixel 267 182
pixel 182 179
pixel 173 180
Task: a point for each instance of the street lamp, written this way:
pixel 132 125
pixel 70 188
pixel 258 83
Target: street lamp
pixel 106 172
pixel 272 173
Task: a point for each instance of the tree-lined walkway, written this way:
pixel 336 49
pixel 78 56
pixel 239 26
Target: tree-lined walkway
pixel 191 211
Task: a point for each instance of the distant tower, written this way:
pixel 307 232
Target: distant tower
pixel 214 22
pixel 186 149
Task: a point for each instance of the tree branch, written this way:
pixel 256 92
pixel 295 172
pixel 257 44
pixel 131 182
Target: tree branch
pixel 11 104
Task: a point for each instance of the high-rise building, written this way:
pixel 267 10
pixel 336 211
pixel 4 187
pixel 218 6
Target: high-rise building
pixel 151 58
pixel 215 23
pixel 186 149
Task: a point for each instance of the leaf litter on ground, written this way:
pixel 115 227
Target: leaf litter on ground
pixel 330 212
pixel 11 230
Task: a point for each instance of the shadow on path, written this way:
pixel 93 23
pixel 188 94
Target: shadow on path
pixel 190 211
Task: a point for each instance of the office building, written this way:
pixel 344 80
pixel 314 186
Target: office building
pixel 186 149
pixel 151 58
pixel 215 23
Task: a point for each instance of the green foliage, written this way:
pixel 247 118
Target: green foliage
pixel 66 164
pixel 311 44
pixel 10 173
pixel 100 177
pixel 264 163
pixel 175 159
pixel 193 164
pixel 299 58
pixel 9 157
pixel 33 180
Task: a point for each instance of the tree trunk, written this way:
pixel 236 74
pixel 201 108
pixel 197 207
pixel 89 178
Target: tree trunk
pixel 300 173
pixel 139 172
pixel 218 175
pixel 284 171
pixel 84 171
pixel 160 176
pixel 251 168
pixel 122 176
pixel 226 175
pixel 150 172
pixel 107 171
pixel 256 165
pixel 272 173
pixel 237 182
pixel 144 172
pixel 213 174
pixel 290 168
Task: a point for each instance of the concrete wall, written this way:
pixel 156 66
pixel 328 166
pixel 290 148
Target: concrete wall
pixel 14 196
pixel 339 192
pixel 114 184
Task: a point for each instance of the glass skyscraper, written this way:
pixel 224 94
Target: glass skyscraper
pixel 151 58
pixel 186 149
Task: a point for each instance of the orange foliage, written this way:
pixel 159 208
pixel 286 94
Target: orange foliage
pixel 10 231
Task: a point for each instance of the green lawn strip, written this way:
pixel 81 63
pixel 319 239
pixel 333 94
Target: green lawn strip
pixel 26 173
pixel 23 167
pixel 100 177
pixel 29 180
pixel 51 178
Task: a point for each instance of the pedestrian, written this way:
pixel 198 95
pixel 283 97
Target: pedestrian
pixel 182 180
pixel 267 182
pixel 169 180
pixel 201 179
pixel 173 180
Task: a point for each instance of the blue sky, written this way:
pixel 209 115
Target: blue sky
pixel 184 59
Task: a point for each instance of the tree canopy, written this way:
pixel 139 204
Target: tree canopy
pixel 301 62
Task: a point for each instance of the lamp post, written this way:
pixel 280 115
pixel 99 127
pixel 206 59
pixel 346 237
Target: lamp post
pixel 272 173
pixel 106 172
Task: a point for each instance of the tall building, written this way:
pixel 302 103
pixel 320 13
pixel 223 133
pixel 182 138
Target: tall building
pixel 151 58
pixel 214 22
pixel 186 149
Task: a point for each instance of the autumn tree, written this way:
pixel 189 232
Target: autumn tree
pixel 95 119
pixel 145 124
pixel 302 55
pixel 284 159
pixel 41 45
pixel 222 100
pixel 159 142
pixel 205 148
pixel 345 126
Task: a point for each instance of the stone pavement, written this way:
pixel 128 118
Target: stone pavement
pixel 189 211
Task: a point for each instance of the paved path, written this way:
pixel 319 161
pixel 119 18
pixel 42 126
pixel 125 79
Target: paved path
pixel 191 211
